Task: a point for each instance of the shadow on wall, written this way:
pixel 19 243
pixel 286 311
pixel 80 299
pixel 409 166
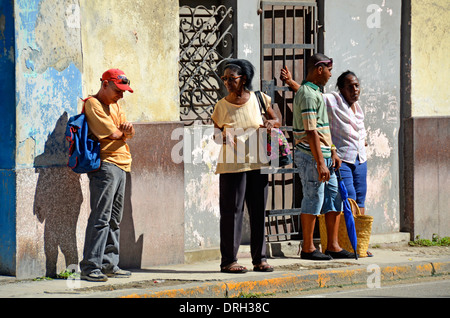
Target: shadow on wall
pixel 57 202
pixel 130 249
pixel 58 199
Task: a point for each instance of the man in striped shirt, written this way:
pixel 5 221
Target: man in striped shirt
pixel 316 159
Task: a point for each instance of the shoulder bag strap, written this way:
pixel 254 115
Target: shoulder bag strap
pixel 260 100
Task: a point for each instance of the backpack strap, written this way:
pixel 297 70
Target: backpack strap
pixel 84 102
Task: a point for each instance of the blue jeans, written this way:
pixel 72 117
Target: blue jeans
pixel 354 177
pixel 101 247
pixel 318 197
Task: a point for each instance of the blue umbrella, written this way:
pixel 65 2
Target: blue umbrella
pixel 348 215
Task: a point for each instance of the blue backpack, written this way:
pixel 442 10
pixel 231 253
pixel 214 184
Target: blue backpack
pixel 84 153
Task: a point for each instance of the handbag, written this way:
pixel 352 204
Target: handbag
pixel 284 155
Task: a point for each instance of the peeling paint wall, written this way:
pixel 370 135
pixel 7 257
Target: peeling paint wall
pixel 141 39
pixel 202 213
pixel 52 53
pixel 7 88
pixel 48 85
pixel 430 44
pixel 427 129
pixel 364 36
pixel 7 138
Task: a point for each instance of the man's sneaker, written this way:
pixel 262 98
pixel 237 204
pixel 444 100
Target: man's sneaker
pixel 120 273
pixel 94 276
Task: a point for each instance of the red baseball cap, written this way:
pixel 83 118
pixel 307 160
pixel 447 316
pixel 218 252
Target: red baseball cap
pixel 119 78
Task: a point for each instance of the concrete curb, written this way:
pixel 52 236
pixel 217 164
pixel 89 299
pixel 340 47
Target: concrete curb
pixel 307 280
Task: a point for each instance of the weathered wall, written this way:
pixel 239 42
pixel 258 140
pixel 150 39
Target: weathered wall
pixel 7 137
pixel 364 36
pixel 427 121
pixel 197 149
pixel 428 177
pixel 141 38
pixel 153 225
pixel 52 54
pixel 7 88
pixel 430 44
pixel 48 85
pixel 248 29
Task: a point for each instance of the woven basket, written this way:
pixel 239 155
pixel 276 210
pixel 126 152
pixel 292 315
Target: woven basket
pixel 363 225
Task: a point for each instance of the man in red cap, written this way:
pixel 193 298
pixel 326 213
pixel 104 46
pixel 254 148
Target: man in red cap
pixel 107 123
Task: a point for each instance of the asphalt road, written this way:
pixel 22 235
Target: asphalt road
pixel 430 287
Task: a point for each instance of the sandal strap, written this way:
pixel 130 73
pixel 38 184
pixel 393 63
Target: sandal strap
pixel 263 266
pixel 234 267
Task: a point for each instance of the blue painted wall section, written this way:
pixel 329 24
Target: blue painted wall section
pixel 7 87
pixel 41 85
pixel 47 103
pixel 7 222
pixel 48 81
pixel 7 139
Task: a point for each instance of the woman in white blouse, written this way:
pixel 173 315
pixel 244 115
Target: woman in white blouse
pixel 349 135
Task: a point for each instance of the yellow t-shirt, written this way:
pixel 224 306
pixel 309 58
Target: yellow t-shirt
pixel 244 122
pixel 104 120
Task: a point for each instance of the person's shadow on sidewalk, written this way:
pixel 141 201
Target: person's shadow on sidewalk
pixel 58 199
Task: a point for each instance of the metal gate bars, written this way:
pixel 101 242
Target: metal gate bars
pixel 288 37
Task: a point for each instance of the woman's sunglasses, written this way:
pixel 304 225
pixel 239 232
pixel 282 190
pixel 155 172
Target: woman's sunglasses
pixel 233 78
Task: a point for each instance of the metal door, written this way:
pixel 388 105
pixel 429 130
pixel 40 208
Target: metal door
pixel 289 34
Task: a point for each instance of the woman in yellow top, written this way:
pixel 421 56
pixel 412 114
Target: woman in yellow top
pixel 238 116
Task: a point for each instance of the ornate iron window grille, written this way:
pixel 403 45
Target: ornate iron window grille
pixel 206 41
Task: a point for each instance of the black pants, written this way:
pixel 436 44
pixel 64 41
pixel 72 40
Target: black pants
pixel 235 188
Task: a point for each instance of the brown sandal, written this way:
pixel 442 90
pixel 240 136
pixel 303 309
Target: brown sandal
pixel 234 268
pixel 263 267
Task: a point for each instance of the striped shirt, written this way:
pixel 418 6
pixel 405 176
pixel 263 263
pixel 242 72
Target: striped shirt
pixel 310 113
pixel 347 128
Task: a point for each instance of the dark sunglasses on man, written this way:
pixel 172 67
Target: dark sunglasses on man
pixel 124 79
pixel 120 79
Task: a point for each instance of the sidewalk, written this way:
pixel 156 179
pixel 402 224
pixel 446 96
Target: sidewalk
pixel 204 280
